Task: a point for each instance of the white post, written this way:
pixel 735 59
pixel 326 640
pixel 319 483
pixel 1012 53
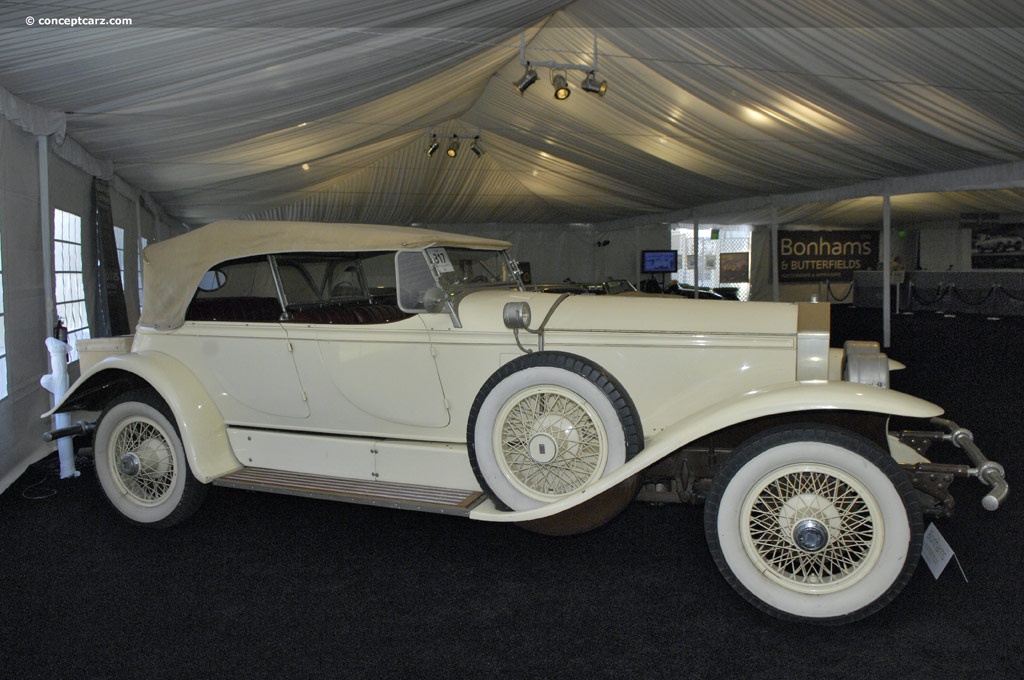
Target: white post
pixel 56 382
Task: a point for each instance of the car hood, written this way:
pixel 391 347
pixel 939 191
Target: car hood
pixel 635 313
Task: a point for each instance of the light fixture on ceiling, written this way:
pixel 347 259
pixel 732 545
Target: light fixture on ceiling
pixel 561 85
pixel 559 81
pixel 529 78
pixel 590 84
pixel 452 150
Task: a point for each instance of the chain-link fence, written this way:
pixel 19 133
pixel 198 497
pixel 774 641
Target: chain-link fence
pixel 722 260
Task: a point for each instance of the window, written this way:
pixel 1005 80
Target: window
pixel 119 244
pixel 142 246
pixel 69 291
pixel 724 258
pixel 3 332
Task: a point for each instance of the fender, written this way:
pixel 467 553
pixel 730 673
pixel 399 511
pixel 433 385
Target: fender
pixel 202 429
pixel 768 401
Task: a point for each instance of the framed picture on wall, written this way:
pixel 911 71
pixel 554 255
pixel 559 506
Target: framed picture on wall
pixel 994 244
pixel 734 268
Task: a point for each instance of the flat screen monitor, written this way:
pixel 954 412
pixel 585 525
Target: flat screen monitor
pixel 659 261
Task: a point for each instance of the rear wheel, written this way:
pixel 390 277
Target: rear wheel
pixel 140 462
pixel 814 523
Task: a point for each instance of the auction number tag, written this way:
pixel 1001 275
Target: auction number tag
pixel 438 259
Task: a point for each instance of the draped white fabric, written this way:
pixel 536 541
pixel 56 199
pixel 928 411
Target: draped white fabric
pixel 319 110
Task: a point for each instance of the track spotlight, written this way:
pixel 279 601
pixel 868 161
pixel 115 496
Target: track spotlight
pixel 432 149
pixel 561 86
pixel 453 148
pixel 590 84
pixel 475 148
pixel 529 78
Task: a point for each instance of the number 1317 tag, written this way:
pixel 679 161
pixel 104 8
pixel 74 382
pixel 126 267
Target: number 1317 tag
pixel 438 259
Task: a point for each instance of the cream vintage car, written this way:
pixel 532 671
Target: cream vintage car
pixel 410 368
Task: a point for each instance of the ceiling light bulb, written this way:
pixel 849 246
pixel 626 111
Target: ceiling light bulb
pixel 432 149
pixel 561 87
pixel 590 84
pixel 529 78
pixel 453 148
pixel 475 148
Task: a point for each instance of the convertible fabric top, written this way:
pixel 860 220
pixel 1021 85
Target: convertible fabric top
pixel 172 269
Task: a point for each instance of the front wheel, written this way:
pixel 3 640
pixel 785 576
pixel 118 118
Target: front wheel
pixel 140 462
pixel 814 523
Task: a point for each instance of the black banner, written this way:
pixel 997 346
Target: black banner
pixel 819 255
pixel 111 310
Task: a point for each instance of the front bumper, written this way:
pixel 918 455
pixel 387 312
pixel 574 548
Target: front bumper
pixel 933 478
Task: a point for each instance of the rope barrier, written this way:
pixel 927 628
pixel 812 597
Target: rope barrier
pixel 940 293
pixel 835 298
pixel 1008 294
pixel 967 301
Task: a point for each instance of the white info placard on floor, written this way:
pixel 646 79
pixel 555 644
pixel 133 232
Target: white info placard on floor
pixel 936 552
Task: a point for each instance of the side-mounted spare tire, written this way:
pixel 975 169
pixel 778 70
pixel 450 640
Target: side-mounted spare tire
pixel 547 424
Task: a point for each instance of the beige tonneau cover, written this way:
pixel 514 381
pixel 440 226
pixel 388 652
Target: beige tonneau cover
pixel 173 268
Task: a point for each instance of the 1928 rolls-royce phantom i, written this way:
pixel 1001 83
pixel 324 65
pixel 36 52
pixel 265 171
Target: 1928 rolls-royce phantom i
pixel 410 368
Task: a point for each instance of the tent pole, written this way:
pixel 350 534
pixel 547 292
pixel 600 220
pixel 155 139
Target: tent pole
pixel 775 253
pixel 886 270
pixel 696 250
pixel 44 227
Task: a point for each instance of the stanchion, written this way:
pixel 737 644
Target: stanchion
pixel 56 383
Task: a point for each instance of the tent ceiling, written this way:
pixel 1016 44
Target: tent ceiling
pixel 319 110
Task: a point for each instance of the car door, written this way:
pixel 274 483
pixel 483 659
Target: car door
pixel 367 367
pixel 235 344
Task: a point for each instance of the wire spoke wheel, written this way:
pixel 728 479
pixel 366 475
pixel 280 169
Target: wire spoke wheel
pixel 812 527
pixel 814 523
pixel 143 461
pixel 140 462
pixel 550 442
pixel 549 425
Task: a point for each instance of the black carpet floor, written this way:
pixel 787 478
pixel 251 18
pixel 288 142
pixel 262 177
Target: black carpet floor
pixel 263 586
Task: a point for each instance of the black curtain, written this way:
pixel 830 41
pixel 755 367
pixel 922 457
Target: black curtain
pixel 111 316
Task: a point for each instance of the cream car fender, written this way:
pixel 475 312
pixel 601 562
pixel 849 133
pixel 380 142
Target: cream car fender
pixel 199 422
pixel 800 397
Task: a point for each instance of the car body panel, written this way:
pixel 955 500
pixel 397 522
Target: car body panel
pixel 202 429
pixel 773 400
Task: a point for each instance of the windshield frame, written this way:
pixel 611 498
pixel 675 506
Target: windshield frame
pixel 435 278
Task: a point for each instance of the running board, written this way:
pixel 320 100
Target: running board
pixel 383 494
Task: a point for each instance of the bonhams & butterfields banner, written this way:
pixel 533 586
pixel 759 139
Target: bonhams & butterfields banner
pixel 819 255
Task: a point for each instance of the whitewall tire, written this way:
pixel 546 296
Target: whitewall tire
pixel 140 462
pixel 545 426
pixel 814 523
